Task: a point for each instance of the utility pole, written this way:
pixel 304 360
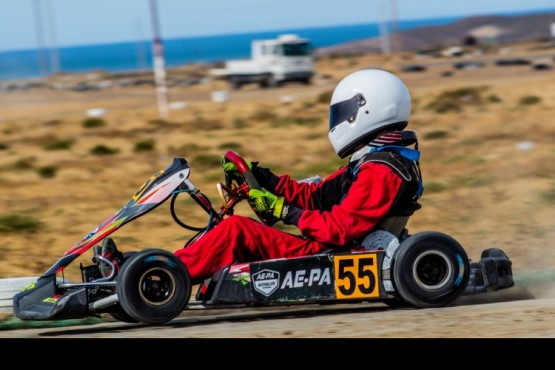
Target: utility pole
pixel 397 48
pixel 41 53
pixel 53 43
pixel 385 41
pixel 397 45
pixel 158 63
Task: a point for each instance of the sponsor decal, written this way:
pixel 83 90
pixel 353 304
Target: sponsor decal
pixel 268 281
pixel 295 279
pixel 265 281
pixel 90 235
pixel 241 277
pixel 306 278
pixel 52 299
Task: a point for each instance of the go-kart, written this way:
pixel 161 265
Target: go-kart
pixel 427 269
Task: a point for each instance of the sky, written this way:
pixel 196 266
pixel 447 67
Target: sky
pixel 28 24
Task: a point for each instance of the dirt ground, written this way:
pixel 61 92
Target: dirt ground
pixel 486 137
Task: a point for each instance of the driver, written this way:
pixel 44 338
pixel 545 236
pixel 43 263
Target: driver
pixel 378 187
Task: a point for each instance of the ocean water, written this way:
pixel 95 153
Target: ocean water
pixel 133 56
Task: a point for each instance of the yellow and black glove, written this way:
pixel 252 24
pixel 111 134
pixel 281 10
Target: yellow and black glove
pixel 266 178
pixel 271 208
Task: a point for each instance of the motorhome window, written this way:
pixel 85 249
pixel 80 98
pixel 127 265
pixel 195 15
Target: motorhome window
pixel 297 49
pixel 269 50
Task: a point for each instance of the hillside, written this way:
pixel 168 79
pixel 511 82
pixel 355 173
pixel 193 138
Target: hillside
pixel 489 30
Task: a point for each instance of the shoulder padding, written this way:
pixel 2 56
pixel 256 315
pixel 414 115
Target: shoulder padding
pixel 393 160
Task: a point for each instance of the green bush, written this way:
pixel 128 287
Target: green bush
pixel 549 195
pixel 59 145
pixel 186 150
pixel 144 146
pixel 207 124
pixel 230 146
pixel 4 146
pixel 239 123
pixel 304 121
pixel 444 107
pixel 436 135
pixel 325 97
pixel 24 163
pixel 263 115
pixel 494 99
pixel 47 172
pixel 103 150
pixel 434 187
pixel 93 122
pixel 10 223
pixel 529 100
pixel 455 100
pixel 158 122
pixel 207 160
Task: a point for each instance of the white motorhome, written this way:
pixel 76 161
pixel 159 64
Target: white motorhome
pixel 273 62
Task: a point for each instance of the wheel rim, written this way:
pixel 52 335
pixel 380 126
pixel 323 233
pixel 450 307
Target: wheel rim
pixel 432 270
pixel 157 286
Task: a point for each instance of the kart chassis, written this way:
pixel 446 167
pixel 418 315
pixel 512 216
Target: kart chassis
pixel 427 269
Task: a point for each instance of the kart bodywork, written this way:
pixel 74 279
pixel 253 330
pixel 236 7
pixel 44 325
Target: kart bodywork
pixel 427 269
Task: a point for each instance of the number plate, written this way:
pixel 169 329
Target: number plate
pixel 357 276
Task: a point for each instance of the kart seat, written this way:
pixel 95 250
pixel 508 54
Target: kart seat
pixel 394 224
pixel 387 234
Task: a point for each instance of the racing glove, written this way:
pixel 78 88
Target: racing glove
pixel 266 178
pixel 230 168
pixel 272 208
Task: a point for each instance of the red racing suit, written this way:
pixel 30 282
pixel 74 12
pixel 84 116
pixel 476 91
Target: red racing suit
pixel 337 212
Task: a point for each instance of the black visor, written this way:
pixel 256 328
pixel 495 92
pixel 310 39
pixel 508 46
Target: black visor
pixel 346 110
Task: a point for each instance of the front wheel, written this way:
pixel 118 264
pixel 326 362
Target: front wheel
pixel 153 286
pixel 430 269
pixel 117 312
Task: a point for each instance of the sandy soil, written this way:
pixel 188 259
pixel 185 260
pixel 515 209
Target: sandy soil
pixel 488 168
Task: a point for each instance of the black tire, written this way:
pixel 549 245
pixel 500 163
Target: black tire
pixel 117 312
pixel 153 286
pixel 235 83
pixel 273 82
pixel 430 269
pixel 397 303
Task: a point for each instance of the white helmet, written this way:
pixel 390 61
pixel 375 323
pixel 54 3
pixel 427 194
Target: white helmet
pixel 363 104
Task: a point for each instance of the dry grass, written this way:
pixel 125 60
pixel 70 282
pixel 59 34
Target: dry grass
pixel 483 189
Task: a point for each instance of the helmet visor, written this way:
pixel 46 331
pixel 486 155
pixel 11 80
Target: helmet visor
pixel 346 110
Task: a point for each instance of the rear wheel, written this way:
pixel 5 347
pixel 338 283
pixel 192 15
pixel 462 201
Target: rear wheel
pixel 153 286
pixel 430 269
pixel 273 82
pixel 397 303
pixel 235 83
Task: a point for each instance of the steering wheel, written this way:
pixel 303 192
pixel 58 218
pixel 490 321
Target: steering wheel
pixel 249 182
pixel 243 168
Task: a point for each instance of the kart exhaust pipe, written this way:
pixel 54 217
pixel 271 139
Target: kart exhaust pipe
pixel 103 303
